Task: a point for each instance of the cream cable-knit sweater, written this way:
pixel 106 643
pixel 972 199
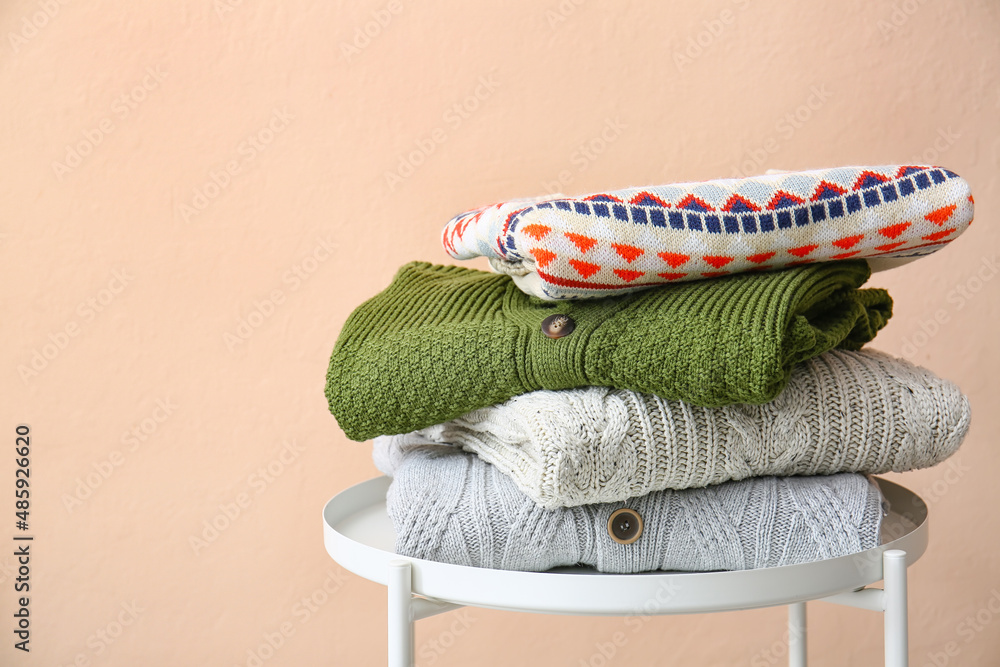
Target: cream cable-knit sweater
pixel 841 412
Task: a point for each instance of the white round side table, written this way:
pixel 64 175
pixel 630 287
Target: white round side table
pixel 359 535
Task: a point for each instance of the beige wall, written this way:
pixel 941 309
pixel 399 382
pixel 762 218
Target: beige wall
pixel 135 274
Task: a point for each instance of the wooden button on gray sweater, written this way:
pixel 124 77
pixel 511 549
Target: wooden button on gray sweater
pixel 450 506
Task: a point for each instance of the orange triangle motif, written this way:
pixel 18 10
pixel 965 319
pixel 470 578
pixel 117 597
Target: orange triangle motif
pixel 892 231
pixel 674 259
pixel 585 269
pixel 537 232
pixel 694 203
pixel 845 255
pixel 736 200
pixel 782 199
pixel 627 252
pixel 941 215
pixel 761 258
pixel 584 243
pixel 717 261
pixel 848 242
pixel 803 250
pixel 867 179
pixel 626 275
pixel 648 199
pixel 542 256
pixel 937 236
pixel 889 246
pixel 826 189
pixel 671 276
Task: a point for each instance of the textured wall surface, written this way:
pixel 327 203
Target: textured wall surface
pixel 197 194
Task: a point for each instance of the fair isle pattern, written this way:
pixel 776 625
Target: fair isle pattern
pixel 616 242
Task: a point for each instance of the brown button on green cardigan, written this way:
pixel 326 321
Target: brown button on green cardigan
pixel 443 340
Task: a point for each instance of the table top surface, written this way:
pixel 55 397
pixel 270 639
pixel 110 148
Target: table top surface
pixel 359 535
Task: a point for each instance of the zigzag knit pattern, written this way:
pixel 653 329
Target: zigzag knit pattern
pixel 842 411
pixel 452 507
pixel 615 242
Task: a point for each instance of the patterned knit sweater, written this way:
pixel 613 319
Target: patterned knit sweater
pixel 441 341
pixel 842 411
pixel 605 243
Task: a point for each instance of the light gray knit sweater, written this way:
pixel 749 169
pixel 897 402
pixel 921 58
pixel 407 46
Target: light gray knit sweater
pixel 451 506
pixel 841 412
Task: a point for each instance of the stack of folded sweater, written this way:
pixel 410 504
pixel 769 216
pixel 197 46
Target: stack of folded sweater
pixel 656 378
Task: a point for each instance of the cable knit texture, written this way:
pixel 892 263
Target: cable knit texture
pixel 451 506
pixel 842 411
pixel 442 341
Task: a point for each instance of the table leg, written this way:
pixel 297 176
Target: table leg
pixel 894 587
pixel 797 644
pixel 400 614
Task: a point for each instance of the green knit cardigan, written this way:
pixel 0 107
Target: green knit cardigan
pixel 441 341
